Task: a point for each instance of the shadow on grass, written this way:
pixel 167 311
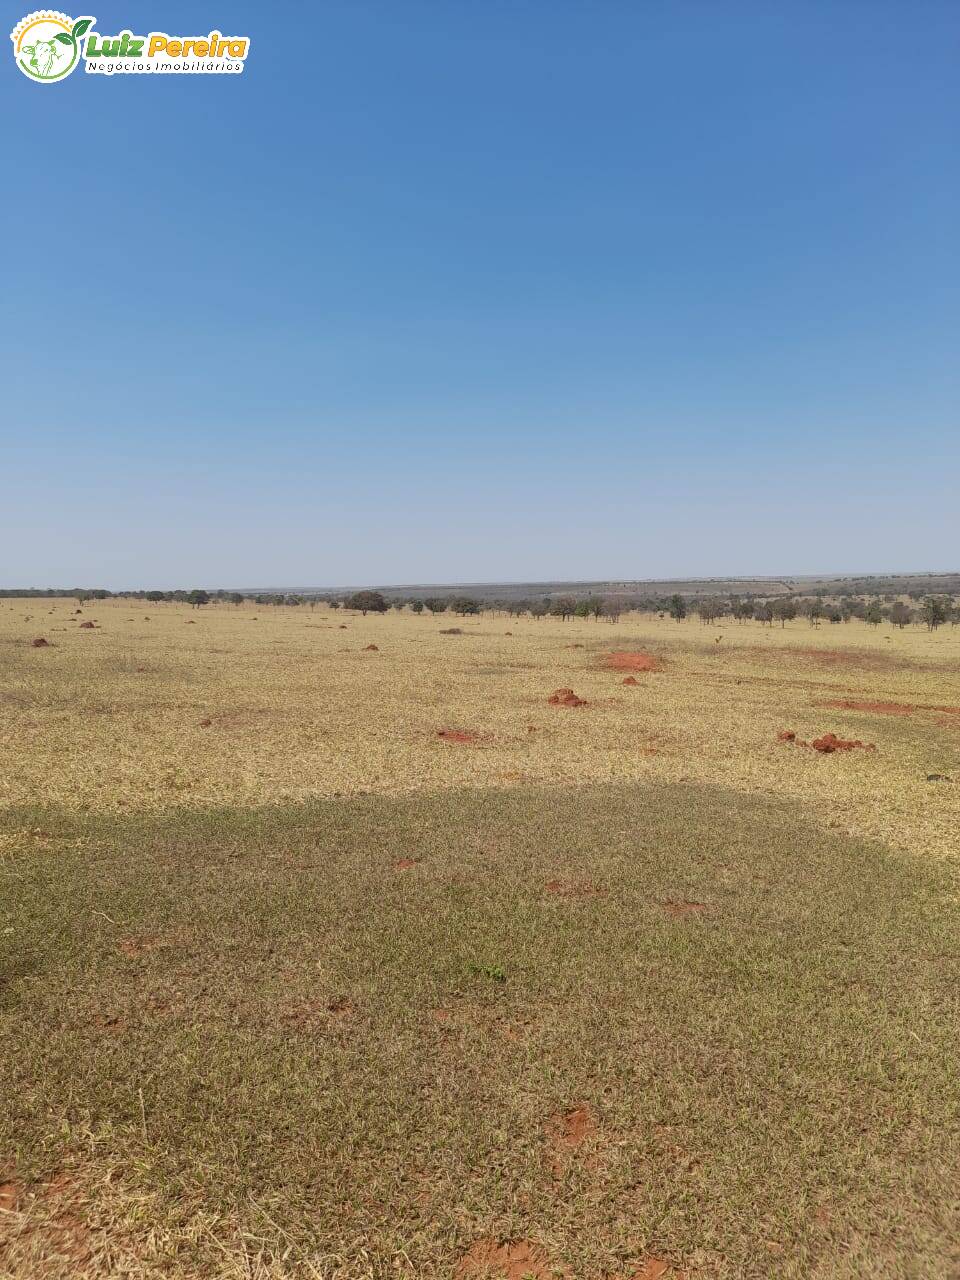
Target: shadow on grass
pixel 255 1020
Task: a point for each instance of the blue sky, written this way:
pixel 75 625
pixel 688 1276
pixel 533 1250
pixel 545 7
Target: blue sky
pixel 443 291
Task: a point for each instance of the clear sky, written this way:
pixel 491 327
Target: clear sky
pixel 520 289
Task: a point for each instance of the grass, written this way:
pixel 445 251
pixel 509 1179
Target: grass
pixel 112 718
pixel 238 1041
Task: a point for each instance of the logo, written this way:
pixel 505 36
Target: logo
pixel 46 45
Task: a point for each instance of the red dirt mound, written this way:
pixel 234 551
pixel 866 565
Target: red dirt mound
pixel 86 626
pixel 371 648
pixel 565 698
pixel 679 907
pixel 404 864
pixel 630 680
pixel 623 661
pixel 205 724
pixel 786 735
pixel 830 743
pixel 40 643
pixel 456 735
pixel 882 708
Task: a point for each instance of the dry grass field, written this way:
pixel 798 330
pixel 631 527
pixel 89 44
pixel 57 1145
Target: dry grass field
pixel 330 948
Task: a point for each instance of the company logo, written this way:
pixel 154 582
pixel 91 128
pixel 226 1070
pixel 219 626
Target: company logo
pixel 47 46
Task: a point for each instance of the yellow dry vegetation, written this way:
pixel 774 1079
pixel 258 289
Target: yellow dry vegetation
pixel 112 718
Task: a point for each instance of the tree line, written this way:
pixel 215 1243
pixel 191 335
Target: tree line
pixel 931 610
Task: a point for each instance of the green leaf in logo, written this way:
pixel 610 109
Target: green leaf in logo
pixel 63 37
pixel 81 27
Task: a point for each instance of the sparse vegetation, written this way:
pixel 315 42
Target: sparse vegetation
pixel 295 936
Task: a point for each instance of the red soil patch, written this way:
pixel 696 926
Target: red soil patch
pixel 205 724
pixel 134 947
pixel 457 735
pixel 882 708
pixel 652 1269
pixel 371 648
pixel 10 1194
pixel 563 889
pixel 404 864
pixel 565 698
pixel 630 680
pixel 861 659
pixel 679 907
pixel 623 661
pixel 830 743
pixel 40 643
pixel 888 708
pixel 573 1127
pixel 86 626
pixel 786 735
pixel 61 1231
pixel 517 1260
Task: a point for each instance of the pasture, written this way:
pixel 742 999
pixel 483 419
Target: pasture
pixel 331 948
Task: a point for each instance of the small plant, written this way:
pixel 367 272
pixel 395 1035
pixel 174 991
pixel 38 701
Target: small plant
pixel 491 971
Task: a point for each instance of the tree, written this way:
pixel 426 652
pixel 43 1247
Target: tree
pixel 464 605
pixel 678 608
pixel 436 604
pixel 900 614
pixel 367 602
pixel 764 612
pixel 582 610
pixel 873 613
pixel 416 606
pixel 198 598
pixel 784 609
pixel 743 609
pixel 154 596
pixel 933 611
pixel 563 607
